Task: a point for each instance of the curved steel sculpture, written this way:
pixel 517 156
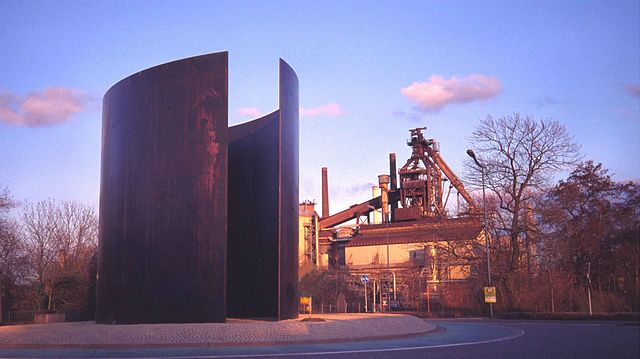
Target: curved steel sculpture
pixel 263 210
pixel 164 195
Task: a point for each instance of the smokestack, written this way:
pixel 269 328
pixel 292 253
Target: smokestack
pixel 325 193
pixel 394 183
pixel 392 171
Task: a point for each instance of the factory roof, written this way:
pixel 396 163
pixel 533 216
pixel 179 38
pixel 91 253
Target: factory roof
pixel 426 230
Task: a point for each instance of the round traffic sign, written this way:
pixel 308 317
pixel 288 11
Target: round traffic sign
pixel 364 278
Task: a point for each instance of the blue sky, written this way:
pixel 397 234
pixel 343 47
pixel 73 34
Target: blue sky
pixel 574 61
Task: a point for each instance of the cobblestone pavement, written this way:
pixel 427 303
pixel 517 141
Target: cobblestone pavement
pixel 337 327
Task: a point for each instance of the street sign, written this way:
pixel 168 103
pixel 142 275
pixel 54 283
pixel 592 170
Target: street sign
pixel 364 278
pixel 306 304
pixel 489 294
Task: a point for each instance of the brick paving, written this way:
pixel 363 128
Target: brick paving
pixel 337 327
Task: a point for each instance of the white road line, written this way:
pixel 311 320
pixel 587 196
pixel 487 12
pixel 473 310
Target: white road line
pixel 568 324
pixel 386 350
pixel 536 322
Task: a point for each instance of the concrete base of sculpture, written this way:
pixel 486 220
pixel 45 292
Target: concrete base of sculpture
pixel 238 332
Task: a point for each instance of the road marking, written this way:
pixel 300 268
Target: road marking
pixel 529 322
pixel 570 324
pixel 384 350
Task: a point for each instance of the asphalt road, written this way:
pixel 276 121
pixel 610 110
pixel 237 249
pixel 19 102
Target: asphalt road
pixel 454 339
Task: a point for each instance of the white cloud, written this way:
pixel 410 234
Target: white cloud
pixel 52 106
pixel 331 110
pixel 249 111
pixel 437 92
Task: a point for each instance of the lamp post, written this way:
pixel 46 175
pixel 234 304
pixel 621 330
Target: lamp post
pixel 388 272
pixel 486 229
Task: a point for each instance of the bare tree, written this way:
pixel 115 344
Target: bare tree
pixel 11 253
pixel 61 238
pixel 520 156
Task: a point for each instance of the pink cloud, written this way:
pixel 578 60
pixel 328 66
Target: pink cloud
pixel 437 92
pixel 332 110
pixel 249 111
pixel 633 90
pixel 52 106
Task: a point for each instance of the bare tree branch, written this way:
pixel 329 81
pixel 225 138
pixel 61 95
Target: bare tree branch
pixel 61 238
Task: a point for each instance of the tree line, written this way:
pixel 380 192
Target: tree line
pixel 555 246
pixel 48 256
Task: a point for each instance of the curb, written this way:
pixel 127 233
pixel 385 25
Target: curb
pixel 302 341
pixel 218 345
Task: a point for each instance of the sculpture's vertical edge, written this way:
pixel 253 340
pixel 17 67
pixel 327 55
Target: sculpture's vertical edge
pixel 288 199
pixel 163 197
pixel 104 285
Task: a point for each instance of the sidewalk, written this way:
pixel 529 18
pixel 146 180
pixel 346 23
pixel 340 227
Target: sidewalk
pixel 238 332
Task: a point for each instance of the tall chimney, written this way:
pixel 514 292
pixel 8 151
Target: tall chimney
pixel 394 183
pixel 392 171
pixel 325 193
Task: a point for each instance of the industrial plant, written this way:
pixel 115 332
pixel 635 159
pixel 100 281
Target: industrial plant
pixel 414 245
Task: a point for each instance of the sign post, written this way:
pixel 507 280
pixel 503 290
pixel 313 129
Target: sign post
pixel 490 295
pixel 365 279
pixel 306 304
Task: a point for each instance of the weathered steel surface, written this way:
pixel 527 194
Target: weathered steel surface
pixel 163 207
pixel 169 193
pixel 393 174
pixel 252 275
pixel 263 210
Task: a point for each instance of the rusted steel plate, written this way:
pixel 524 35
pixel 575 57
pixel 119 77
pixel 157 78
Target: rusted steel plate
pixel 163 205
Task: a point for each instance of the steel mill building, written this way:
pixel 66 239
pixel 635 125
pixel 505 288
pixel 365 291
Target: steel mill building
pixel 415 252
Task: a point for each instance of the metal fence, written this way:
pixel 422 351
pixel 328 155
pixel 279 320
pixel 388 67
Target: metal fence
pixel 347 307
pixel 35 316
pixel 18 317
